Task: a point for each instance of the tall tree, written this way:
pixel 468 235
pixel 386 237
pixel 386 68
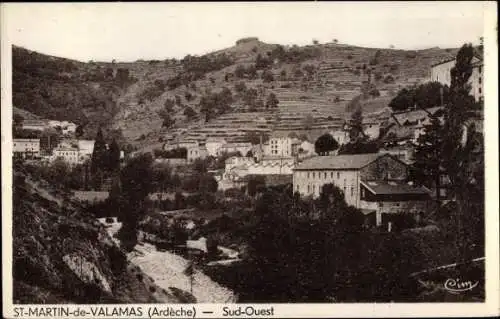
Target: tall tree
pixel 460 143
pixel 114 157
pixel 428 160
pixel 99 160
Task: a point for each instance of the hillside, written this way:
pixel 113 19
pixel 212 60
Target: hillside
pixel 63 255
pixel 233 84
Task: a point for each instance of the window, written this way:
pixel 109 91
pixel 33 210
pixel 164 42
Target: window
pixel 314 175
pixel 314 188
pixel 308 175
pixel 331 174
pixel 325 176
pixel 352 190
pixel 479 80
pixel 480 91
pixel 338 175
pixel 308 188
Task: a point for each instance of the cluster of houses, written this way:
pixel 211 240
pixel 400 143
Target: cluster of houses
pixel 65 127
pixel 71 151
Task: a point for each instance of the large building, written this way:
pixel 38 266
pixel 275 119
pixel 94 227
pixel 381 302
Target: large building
pixel 374 183
pixel 26 147
pixel 35 125
pixel 196 152
pixel 440 72
pixel 281 145
pixel 69 154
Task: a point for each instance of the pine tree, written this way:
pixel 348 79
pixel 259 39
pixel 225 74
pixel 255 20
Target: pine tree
pixel 114 157
pixel 98 161
pixel 460 144
pixel 428 160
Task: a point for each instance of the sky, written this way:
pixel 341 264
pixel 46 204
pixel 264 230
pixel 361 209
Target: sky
pixel 132 31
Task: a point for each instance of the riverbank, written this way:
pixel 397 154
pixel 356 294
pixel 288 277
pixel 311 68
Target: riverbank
pixel 167 271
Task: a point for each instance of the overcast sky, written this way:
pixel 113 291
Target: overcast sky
pixel 131 31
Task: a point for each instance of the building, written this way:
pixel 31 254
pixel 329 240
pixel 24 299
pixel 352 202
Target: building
pixel 234 147
pixel 374 183
pixel 440 72
pixel 36 125
pixel 86 148
pixel 196 152
pixel 341 136
pixel 69 154
pixel 280 144
pixel 404 152
pixel 26 148
pixel 213 145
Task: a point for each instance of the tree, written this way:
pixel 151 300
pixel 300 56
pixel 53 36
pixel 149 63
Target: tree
pixel 460 149
pixel 18 121
pixel 99 158
pixel 254 182
pixel 272 101
pixel 267 76
pixel 240 71
pixel 325 144
pixel 114 156
pixel 189 112
pixel 79 131
pixel 136 180
pixel 423 96
pixel 428 160
pixel 356 125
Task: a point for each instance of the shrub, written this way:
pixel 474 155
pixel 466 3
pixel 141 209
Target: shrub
pixel 152 289
pixel 139 277
pixel 389 79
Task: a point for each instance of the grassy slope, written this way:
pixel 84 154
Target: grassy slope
pixel 44 231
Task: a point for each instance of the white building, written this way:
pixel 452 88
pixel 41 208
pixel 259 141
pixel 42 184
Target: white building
pixel 36 125
pixel 281 145
pixel 233 147
pixel 373 183
pixel 213 145
pixel 440 72
pixel 341 136
pixel 86 148
pixel 26 147
pixel 69 154
pixel 195 152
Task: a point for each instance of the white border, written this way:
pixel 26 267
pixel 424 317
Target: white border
pixel 489 308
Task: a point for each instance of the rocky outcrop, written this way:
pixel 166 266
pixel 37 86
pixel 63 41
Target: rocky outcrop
pixel 86 271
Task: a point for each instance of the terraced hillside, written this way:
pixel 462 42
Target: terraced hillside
pixel 313 85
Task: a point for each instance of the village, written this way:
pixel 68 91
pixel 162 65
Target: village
pixel 279 157
pixel 254 170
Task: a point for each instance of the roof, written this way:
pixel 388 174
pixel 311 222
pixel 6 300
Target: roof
pixel 415 115
pixel 270 179
pixel 339 162
pixel 449 59
pixel 394 188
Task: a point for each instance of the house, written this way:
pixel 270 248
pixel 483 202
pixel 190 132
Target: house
pixel 85 149
pixel 67 153
pixel 404 152
pixel 440 72
pixel 306 149
pixel 374 183
pixel 234 147
pixel 280 144
pixel 213 145
pixel 195 152
pixel 341 136
pixel 26 148
pixel 35 125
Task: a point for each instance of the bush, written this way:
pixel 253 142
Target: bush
pixel 139 277
pixel 152 289
pixel 388 79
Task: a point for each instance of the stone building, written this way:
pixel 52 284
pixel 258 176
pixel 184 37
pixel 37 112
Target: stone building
pixel 375 183
pixel 26 147
pixel 440 72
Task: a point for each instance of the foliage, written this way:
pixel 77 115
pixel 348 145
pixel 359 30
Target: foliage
pixel 114 156
pixel 267 76
pixel 272 101
pixel 423 96
pixel 180 152
pixel 214 104
pixel 254 183
pixel 361 146
pixel 189 112
pixel 325 144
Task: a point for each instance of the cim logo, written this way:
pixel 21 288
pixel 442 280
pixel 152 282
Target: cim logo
pixel 457 285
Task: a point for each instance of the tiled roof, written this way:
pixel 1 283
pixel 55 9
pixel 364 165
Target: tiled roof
pixel 339 162
pixel 394 188
pixel 415 115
